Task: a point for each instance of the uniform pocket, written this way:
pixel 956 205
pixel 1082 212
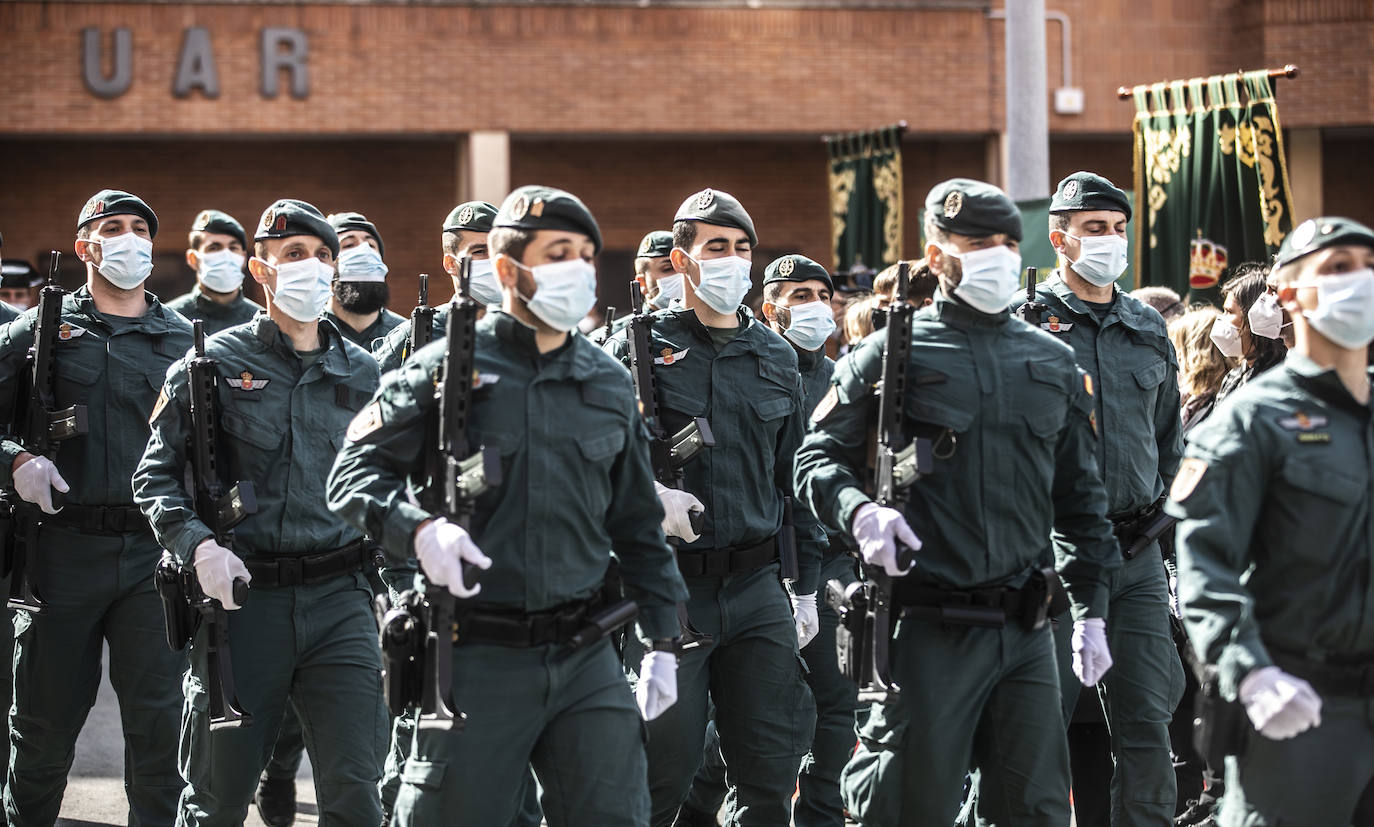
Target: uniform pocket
pixel 871 783
pixel 74 380
pixel 420 800
pixel 772 408
pixel 602 447
pixel 1321 479
pixel 1150 375
pixel 1046 423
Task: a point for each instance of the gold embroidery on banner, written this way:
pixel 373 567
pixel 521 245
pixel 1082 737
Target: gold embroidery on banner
pixel 1253 145
pixel 841 185
pixel 887 184
pixel 1165 150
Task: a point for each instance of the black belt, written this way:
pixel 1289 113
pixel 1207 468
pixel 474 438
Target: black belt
pixel 308 569
pixel 721 562
pixel 964 607
pixel 1344 677
pixel 113 519
pixel 1131 524
pixel 523 630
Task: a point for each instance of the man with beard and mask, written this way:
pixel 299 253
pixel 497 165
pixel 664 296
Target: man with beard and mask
pixel 19 286
pixel 659 285
pixel 360 293
pixel 1274 498
pixel 576 486
pixel 96 555
pixel 216 250
pixel 287 388
pixel 796 304
pixel 1124 346
pixel 1012 430
pixel 713 359
pixel 464 234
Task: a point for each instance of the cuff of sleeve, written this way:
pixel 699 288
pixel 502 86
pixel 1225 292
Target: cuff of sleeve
pixel 399 531
pixel 1238 659
pixel 9 450
pixel 848 501
pixel 191 534
pixel 1088 601
pixel 808 576
pixel 658 622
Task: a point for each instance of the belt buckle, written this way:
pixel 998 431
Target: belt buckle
pixel 541 629
pixel 290 571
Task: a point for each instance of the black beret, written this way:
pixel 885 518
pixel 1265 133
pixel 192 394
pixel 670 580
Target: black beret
pixel 546 208
pixel 291 216
pixel 1319 233
pixel 657 244
pixel 214 221
pixel 1085 191
pixel 796 267
pixel 117 202
pixel 17 273
pixel 344 221
pixel 472 216
pixel 973 208
pixel 720 208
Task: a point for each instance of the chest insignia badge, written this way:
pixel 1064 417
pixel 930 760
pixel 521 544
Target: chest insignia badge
pixel 1300 421
pixel 245 382
pixel 67 331
pixel 1056 326
pixel 481 380
pixel 667 356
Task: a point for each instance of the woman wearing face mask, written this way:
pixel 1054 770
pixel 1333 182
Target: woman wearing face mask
pixel 1236 337
pixel 1201 367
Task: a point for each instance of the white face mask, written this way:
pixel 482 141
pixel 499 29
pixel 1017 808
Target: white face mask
pixel 811 324
pixel 724 282
pixel 302 288
pixel 564 292
pixel 1345 308
pixel 669 290
pixel 1101 258
pixel 992 277
pixel 1266 317
pixel 361 263
pixel 125 260
pixel 482 283
pixel 220 271
pixel 1226 336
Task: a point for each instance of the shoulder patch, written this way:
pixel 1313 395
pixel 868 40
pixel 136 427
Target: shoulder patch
pixel 826 405
pixel 366 421
pixel 1189 474
pixel 162 400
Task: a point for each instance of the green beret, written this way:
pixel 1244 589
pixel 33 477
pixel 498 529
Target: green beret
pixel 973 208
pixel 117 202
pixel 1085 191
pixel 344 221
pixel 546 208
pixel 291 216
pixel 657 244
pixel 1319 233
pixel 796 267
pixel 720 208
pixel 214 221
pixel 472 216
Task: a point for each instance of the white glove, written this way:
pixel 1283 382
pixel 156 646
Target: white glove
pixel 35 481
pixel 677 504
pixel 442 548
pixel 1091 659
pixel 808 620
pixel 1279 704
pixel 657 686
pixel 217 568
pixel 877 529
pixel 1175 606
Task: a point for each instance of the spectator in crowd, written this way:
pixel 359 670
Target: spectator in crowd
pixel 1161 298
pixel 1201 366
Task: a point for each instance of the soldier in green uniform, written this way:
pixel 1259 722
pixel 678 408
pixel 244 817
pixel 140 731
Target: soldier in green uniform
pixel 1274 496
pixel 1124 346
pixel 360 293
pixel 216 250
pixel 1010 419
pixel 576 485
pixel 288 387
pixel 712 359
pixel 657 282
pixel 19 285
pixel 95 566
pixel 464 234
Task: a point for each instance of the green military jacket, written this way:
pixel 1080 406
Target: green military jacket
pixel 113 368
pixel 1010 418
pixel 1130 358
pixel 282 420
pixel 8 312
pixel 386 322
pixel 394 348
pixel 817 369
pixel 576 482
pixel 751 394
pixel 196 305
pixel 1277 523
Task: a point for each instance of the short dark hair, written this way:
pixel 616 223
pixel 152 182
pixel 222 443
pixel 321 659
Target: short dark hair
pixel 260 249
pixel 452 240
pixel 509 240
pixel 772 290
pixel 684 234
pixel 642 265
pixel 1059 221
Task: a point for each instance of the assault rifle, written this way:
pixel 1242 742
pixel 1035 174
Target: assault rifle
pixel 421 321
pixel 865 607
pixel 1033 311
pixel 41 428
pixel 667 453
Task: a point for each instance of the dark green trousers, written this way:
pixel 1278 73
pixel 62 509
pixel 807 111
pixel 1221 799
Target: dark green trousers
pixel 971 696
pixel 316 648
pixel 98 589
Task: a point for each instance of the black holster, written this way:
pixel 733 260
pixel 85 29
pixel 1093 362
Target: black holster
pixel 850 603
pixel 179 617
pixel 402 637
pixel 1221 727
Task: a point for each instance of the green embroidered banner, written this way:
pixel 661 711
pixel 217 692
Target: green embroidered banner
pixel 1210 178
pixel 865 170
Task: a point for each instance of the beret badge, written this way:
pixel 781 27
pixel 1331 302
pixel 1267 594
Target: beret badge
pixel 954 202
